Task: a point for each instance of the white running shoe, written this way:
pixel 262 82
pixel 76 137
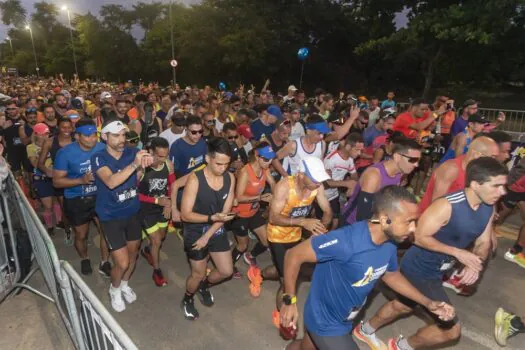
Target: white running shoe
pixel 128 293
pixel 116 299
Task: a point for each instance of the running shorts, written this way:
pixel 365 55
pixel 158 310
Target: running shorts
pixel 80 210
pixel 120 231
pixel 152 221
pixel 342 342
pixel 217 243
pixel 278 251
pixel 43 187
pixel 240 226
pixel 511 199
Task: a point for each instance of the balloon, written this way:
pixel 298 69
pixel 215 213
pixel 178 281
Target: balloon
pixel 222 86
pixel 302 54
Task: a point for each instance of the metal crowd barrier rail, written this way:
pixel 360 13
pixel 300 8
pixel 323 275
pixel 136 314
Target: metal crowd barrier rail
pixel 67 289
pixel 10 270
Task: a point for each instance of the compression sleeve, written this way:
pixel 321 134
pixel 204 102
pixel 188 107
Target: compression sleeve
pixel 146 199
pixel 171 180
pixel 364 205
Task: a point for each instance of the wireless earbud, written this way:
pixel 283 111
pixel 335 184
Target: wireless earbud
pixel 388 221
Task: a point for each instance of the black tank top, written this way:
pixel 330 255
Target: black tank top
pixel 55 147
pixel 209 201
pixel 14 146
pixel 154 183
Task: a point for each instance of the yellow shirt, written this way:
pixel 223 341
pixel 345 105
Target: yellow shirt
pixel 295 207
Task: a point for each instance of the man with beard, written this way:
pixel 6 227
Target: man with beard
pixel 60 104
pixel 349 262
pixel 50 118
pixel 16 150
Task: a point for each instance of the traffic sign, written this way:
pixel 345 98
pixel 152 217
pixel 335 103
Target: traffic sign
pixel 173 63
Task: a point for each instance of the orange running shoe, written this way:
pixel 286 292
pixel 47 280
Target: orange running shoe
pixel 255 277
pixel 276 319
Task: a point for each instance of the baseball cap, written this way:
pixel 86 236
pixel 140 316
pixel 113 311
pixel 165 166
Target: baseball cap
pixel 266 152
pixel 313 168
pixel 275 111
pixel 114 127
pixel 72 114
pixel 478 118
pixel 41 129
pixel 322 127
pixel 77 103
pixel 245 131
pixel 469 103
pixel 292 87
pixel 104 95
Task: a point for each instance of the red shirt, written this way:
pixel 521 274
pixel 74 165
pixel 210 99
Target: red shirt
pixel 403 121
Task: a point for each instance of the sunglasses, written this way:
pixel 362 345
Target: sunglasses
pixel 412 160
pixel 195 132
pixel 11 109
pixel 210 122
pixel 233 137
pixel 264 159
pixel 134 141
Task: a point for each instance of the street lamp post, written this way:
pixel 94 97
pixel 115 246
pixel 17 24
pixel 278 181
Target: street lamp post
pixel 34 51
pixel 64 8
pixel 172 45
pixel 11 45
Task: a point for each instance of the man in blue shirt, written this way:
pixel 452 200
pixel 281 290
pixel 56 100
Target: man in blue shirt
pixel 389 102
pixel 446 230
pixel 72 172
pixel 350 261
pixel 385 123
pixel 117 169
pixel 263 127
pixel 470 107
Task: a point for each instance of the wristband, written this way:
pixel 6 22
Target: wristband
pixel 210 221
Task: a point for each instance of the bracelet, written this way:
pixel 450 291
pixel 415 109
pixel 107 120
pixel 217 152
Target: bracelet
pixel 210 221
pixel 133 166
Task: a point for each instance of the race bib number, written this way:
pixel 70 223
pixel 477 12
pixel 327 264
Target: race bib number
pixel 126 195
pixel 299 212
pixel 219 232
pixel 88 190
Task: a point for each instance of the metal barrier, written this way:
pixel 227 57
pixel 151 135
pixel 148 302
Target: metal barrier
pixel 9 263
pixel 65 286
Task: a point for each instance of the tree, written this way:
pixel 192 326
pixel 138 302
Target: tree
pixel 13 13
pixel 146 14
pixel 117 16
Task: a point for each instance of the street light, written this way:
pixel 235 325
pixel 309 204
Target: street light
pixel 34 51
pixel 172 46
pixel 11 44
pixel 64 8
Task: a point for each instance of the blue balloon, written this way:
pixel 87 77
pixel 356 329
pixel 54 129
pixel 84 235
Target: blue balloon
pixel 222 86
pixel 302 54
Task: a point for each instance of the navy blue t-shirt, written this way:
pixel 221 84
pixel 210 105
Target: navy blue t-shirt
pixel 76 162
pixel 123 200
pixel 349 265
pixel 187 158
pixel 259 129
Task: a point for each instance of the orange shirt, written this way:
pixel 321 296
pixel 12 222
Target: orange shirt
pixel 254 187
pixel 446 122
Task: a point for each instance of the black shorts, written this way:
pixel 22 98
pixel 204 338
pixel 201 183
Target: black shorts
pixel 120 231
pixel 432 289
pixel 152 220
pixel 343 342
pixel 511 199
pixel 335 205
pixel 216 244
pixel 240 226
pixel 15 159
pixel 278 251
pixel 43 186
pixel 80 210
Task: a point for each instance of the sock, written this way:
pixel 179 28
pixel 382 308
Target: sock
pixel 48 218
pixel 115 288
pixel 258 250
pixel 236 255
pixel 367 328
pixel 58 212
pixel 515 250
pixel 188 296
pixel 402 344
pixel 205 284
pixel 516 323
pixel 123 284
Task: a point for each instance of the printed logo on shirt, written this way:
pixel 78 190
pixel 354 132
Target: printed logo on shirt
pixel 193 162
pixel 370 276
pixel 157 184
pixel 328 244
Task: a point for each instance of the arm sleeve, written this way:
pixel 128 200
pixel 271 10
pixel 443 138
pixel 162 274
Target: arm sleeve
pixel 334 245
pixel 365 203
pixel 60 161
pixel 146 199
pixel 171 180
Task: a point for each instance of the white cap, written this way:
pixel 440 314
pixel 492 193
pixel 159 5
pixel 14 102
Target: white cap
pixel 104 95
pixel 114 127
pixel 313 167
pixel 292 87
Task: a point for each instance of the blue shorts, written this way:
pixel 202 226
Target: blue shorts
pixel 43 187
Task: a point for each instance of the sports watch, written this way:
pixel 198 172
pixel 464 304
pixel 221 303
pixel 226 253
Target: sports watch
pixel 289 299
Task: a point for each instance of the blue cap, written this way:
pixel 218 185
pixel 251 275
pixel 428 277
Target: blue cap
pixel 275 111
pixel 322 127
pixel 87 130
pixel 266 152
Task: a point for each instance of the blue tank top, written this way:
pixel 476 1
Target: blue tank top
pixel 464 227
pixel 451 153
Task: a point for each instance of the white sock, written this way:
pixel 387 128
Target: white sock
pixel 123 284
pixel 367 328
pixel 403 344
pixel 115 288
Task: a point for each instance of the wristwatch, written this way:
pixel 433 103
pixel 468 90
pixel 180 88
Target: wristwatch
pixel 289 299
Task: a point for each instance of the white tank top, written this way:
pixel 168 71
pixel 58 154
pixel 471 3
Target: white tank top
pixel 300 153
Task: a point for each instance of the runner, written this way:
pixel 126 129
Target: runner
pixel 206 205
pixel 462 141
pixel 289 208
pixel 445 230
pixel 350 261
pixel 251 182
pixel 72 172
pixel 117 169
pixel 155 206
pixel 405 158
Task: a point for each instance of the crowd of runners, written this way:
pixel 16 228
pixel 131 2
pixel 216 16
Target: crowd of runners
pixel 348 183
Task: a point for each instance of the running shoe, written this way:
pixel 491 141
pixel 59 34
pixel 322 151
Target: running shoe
pixel 189 309
pixel 128 293
pixel 236 274
pixel 249 259
pixel 392 343
pixel 518 259
pixel 276 319
pixel 105 269
pixel 370 339
pixel 117 303
pixel 85 267
pixel 503 328
pixel 67 238
pixel 453 282
pixel 146 254
pixel 255 277
pixel 206 297
pixel 159 279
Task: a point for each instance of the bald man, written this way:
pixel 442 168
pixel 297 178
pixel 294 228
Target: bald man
pixel 450 176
